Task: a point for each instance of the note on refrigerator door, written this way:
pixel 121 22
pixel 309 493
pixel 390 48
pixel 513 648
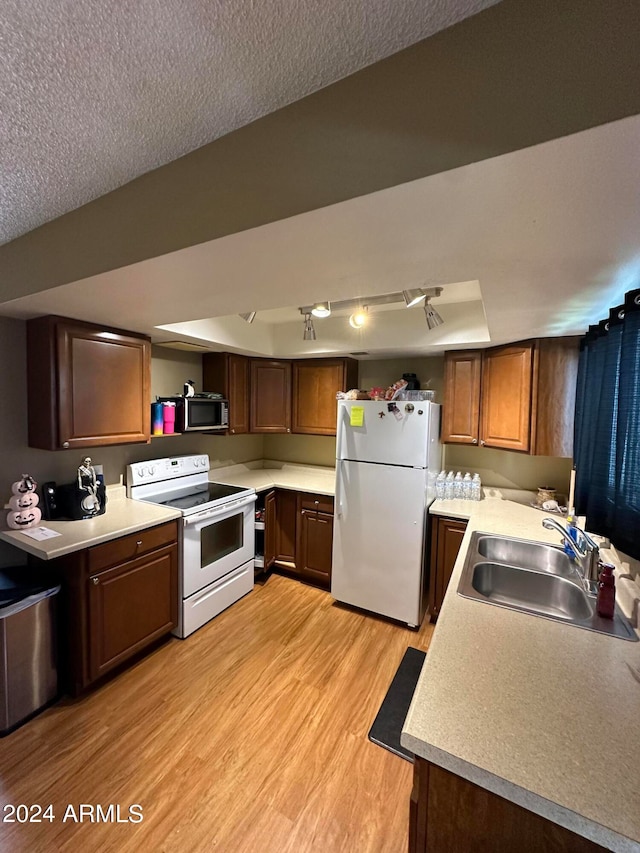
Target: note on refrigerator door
pixel 357 416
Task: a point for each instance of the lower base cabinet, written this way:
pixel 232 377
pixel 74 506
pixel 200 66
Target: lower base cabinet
pixel 446 538
pixel 119 597
pixel 299 534
pixel 448 813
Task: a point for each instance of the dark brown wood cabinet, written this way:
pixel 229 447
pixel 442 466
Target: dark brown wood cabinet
pixel 448 813
pixel 286 521
pixel 228 374
pixel 446 538
pixel 270 409
pixel 269 529
pixel 87 385
pixel 518 397
pixel 314 537
pixel 315 385
pixel 118 598
pixel 299 534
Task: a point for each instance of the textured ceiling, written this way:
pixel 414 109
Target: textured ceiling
pixel 94 93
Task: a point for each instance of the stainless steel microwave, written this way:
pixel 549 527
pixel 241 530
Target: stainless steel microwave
pixel 199 413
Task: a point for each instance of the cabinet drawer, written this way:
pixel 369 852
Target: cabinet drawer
pixel 127 547
pixel 317 503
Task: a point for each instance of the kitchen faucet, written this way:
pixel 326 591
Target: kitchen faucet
pixel 585 551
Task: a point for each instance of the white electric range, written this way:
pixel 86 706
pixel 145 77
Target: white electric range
pixel 218 539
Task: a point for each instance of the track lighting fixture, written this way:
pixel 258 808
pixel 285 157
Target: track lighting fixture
pixel 321 309
pixel 359 318
pixel 432 316
pixel 249 317
pixel 309 332
pixel 412 297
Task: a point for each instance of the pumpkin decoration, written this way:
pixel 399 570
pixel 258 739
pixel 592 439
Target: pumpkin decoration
pixel 24 501
pixel 23 504
pixel 22 518
pixel 26 484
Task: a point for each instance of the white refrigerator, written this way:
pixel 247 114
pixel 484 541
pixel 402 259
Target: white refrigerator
pixel 388 456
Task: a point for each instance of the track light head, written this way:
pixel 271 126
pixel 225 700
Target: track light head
pixel 431 315
pixel 359 318
pixel 321 309
pixel 249 317
pixel 309 332
pixel 412 297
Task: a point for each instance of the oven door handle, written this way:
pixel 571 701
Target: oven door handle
pixel 225 509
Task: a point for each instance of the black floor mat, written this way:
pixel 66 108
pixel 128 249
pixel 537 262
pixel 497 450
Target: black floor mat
pixel 389 720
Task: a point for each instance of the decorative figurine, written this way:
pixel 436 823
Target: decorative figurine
pixel 23 503
pixel 88 482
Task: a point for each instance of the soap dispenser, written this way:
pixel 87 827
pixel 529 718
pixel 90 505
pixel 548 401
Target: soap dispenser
pixel 606 602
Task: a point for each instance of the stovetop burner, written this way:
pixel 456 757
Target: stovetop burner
pixel 196 496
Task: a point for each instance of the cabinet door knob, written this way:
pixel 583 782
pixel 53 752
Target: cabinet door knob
pixel 65 444
pixel 474 441
pixel 95 581
pixel 482 443
pixel 288 430
pixel 138 543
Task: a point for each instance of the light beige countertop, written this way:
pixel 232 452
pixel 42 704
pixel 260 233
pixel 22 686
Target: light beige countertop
pixel 542 713
pixel 299 478
pixel 122 516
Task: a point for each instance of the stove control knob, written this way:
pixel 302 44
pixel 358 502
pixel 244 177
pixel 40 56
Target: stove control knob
pixel 203 461
pixel 141 471
pixel 152 470
pixel 196 462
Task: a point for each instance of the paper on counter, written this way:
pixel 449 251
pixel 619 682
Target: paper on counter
pixel 40 533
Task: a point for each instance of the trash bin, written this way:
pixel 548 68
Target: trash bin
pixel 28 645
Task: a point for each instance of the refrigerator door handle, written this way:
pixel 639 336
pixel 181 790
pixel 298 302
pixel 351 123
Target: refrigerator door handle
pixel 340 427
pixel 338 495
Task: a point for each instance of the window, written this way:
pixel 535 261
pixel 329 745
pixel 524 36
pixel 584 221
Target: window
pixel 607 437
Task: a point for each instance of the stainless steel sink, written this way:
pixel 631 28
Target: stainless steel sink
pixel 528 555
pixel 533 578
pixel 545 594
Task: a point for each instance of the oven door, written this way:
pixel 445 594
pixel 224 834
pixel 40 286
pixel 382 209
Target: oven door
pixel 216 542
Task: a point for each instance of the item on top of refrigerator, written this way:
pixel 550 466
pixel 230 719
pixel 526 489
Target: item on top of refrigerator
pixel 353 394
pixel 394 390
pixel 377 393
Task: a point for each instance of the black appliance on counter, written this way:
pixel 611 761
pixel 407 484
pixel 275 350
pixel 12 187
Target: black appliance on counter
pixel 68 502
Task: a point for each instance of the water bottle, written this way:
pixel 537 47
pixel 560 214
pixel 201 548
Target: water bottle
pixel 440 485
pixel 476 487
pixel 448 486
pixel 467 485
pixel 457 486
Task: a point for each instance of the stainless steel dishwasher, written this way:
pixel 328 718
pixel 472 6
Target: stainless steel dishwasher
pixel 28 646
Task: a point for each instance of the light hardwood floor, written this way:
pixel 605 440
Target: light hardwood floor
pixel 251 735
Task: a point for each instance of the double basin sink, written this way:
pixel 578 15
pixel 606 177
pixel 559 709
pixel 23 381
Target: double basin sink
pixel 534 578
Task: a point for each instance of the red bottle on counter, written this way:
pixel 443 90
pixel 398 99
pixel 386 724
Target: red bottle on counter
pixel 606 603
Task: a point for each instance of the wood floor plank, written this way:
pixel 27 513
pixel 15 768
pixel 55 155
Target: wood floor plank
pixel 248 736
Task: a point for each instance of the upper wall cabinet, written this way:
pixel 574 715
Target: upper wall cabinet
pixel 516 397
pixel 270 410
pixel 228 374
pixel 315 385
pixel 461 410
pixel 506 399
pixel 87 385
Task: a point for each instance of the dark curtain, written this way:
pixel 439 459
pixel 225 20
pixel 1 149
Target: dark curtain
pixel 607 427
